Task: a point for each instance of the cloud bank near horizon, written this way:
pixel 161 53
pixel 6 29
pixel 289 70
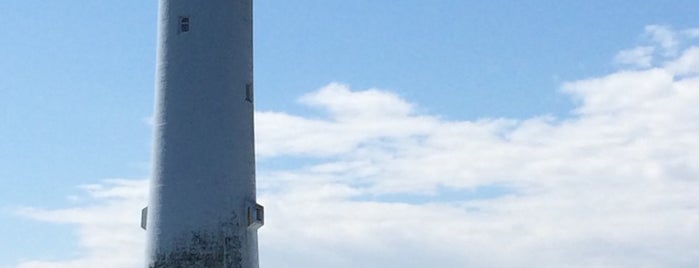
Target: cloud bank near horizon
pixel 386 186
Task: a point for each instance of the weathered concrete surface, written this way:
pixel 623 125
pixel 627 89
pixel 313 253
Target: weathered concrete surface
pixel 198 249
pixel 203 182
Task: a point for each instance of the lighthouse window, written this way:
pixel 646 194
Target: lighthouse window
pixel 184 24
pixel 260 213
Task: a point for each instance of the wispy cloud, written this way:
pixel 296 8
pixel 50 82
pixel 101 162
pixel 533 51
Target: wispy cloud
pixel 662 42
pixel 665 37
pixel 639 57
pixel 108 225
pixel 613 186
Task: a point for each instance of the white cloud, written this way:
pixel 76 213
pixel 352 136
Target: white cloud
pixel 638 57
pixel 687 64
pixel 613 186
pixel 691 33
pixel 663 36
pixel 664 42
pixel 355 118
pixel 346 105
pixel 108 226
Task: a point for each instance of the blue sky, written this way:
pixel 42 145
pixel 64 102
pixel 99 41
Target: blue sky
pixel 397 108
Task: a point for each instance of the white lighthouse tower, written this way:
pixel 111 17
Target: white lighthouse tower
pixel 202 210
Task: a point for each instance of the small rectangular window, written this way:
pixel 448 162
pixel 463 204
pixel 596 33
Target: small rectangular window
pixel 256 215
pixel 260 212
pixel 184 24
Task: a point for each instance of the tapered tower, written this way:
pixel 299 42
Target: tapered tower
pixel 202 210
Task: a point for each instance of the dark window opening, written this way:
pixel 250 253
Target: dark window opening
pixel 184 24
pixel 256 215
pixel 260 213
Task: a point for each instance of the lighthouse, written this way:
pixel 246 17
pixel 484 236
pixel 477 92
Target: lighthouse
pixel 202 209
